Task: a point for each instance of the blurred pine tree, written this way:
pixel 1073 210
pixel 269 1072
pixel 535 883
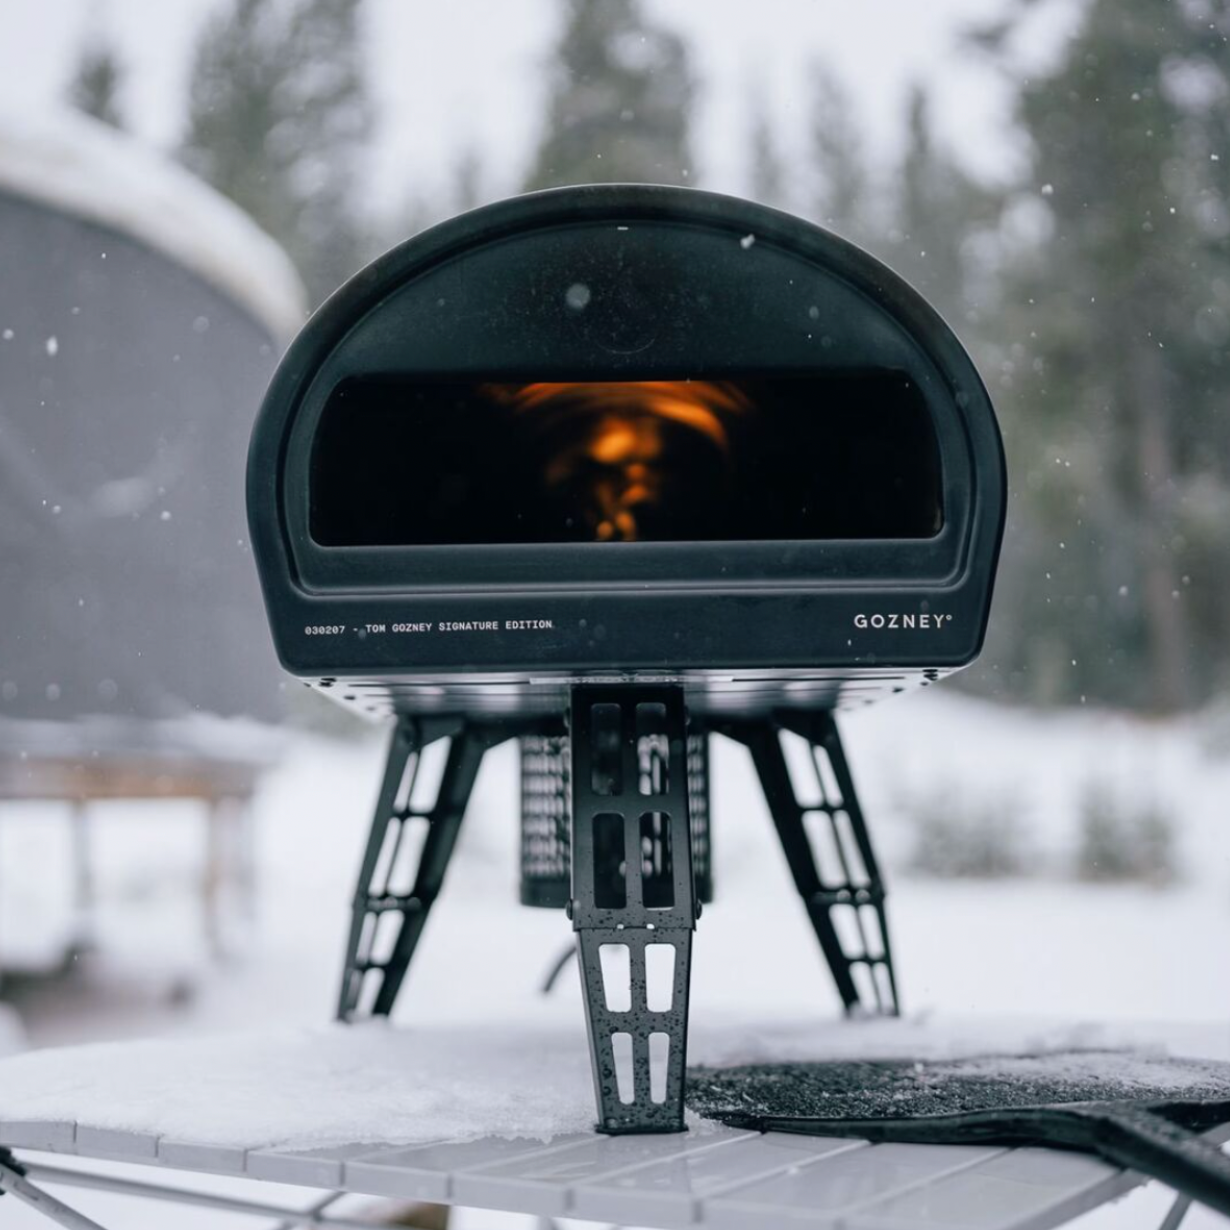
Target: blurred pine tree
pixel 1112 371
pixel 938 214
pixel 768 180
pixel 619 101
pixel 97 82
pixel 278 120
pixel 842 199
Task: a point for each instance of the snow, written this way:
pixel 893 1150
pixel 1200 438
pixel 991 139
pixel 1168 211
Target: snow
pixel 1133 1074
pixel 1043 764
pixel 79 166
pixel 376 1083
pixel 1017 966
pixel 315 1087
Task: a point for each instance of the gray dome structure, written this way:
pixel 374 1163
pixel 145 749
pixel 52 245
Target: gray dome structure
pixel 141 316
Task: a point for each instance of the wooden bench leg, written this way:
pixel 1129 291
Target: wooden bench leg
pixel 245 859
pixel 228 880
pixel 213 877
pixel 85 889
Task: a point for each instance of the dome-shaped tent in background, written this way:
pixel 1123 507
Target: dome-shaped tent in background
pixel 141 315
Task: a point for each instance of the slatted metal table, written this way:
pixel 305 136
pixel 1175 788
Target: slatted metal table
pixel 712 1176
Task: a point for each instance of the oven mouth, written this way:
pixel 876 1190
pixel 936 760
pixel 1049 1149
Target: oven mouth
pixel 405 461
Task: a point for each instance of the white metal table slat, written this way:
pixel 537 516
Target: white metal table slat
pixel 668 1193
pixel 56 1136
pixel 819 1192
pixel 1023 1189
pixel 426 1172
pixel 717 1177
pixel 544 1183
pixel 306 1167
pixel 212 1159
pixel 115 1143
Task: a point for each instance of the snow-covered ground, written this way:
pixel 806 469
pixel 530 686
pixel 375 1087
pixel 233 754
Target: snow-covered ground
pixel 983 965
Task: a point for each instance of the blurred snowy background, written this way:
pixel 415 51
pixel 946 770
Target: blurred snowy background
pixel 1053 174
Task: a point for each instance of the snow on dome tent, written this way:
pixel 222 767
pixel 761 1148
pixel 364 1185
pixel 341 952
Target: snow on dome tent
pixel 78 167
pixel 141 315
pixel 608 470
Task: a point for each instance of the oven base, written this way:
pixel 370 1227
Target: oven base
pixel 634 899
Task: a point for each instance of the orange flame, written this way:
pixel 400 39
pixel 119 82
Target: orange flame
pixel 613 437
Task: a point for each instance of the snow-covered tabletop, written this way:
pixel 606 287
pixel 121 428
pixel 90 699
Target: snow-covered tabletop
pixel 501 1118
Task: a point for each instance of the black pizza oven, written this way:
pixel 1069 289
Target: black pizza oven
pixel 608 470
pixel 623 432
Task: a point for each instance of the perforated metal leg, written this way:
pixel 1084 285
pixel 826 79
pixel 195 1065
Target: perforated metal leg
pixel 834 866
pixel 634 902
pixel 395 891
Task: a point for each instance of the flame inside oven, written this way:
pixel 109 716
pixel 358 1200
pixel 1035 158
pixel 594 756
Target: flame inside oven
pixel 616 450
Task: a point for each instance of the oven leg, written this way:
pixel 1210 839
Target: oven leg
pixel 395 892
pixel 844 894
pixel 634 902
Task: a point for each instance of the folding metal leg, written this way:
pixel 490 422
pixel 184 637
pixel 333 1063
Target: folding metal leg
pixel 844 894
pixel 634 903
pixel 395 893
pixel 13 1182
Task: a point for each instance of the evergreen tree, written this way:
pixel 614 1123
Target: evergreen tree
pixel 619 101
pixel 937 210
pixel 97 82
pixel 1113 375
pixel 841 200
pixel 278 120
pixel 768 176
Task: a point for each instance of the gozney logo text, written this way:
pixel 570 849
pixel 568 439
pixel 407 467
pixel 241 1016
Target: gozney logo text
pixel 903 619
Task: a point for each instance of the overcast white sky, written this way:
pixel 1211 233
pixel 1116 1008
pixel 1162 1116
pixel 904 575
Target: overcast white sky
pixel 453 72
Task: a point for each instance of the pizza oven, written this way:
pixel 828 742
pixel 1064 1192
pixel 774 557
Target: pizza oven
pixel 609 470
